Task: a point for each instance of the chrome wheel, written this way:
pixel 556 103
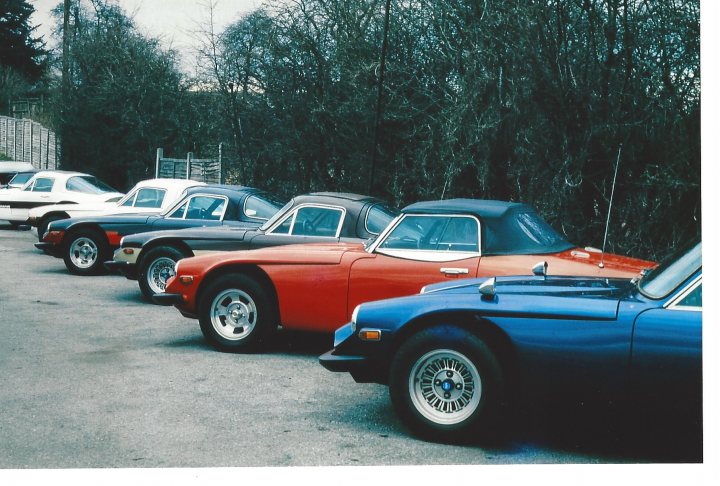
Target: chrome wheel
pixel 233 314
pixel 445 386
pixel 158 272
pixel 83 252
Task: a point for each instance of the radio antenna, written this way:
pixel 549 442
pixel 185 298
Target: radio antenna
pixel 612 194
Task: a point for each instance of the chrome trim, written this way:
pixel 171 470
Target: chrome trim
pixel 487 288
pixel 673 304
pixel 454 271
pixel 342 210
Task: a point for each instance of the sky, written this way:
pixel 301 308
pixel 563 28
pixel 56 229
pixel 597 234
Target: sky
pixel 173 21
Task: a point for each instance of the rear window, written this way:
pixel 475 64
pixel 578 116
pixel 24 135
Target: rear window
pixel 378 217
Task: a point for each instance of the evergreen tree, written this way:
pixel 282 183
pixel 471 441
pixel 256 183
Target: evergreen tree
pixel 19 50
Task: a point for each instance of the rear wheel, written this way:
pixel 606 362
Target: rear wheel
pixel 236 313
pixel 156 268
pixel 85 251
pixel 446 384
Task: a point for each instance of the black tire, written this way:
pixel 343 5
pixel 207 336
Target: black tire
pixel 256 313
pixel 44 223
pixel 152 283
pixel 84 252
pixel 458 370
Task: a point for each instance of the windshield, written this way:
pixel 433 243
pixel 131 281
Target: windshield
pixel 88 185
pixel 277 216
pixel 671 273
pixel 21 178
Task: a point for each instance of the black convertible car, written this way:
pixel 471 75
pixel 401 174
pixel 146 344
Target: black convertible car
pixel 312 218
pixel 86 242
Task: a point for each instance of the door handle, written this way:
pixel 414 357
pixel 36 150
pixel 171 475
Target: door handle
pixel 454 271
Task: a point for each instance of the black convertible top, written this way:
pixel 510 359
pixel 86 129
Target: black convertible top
pixel 507 227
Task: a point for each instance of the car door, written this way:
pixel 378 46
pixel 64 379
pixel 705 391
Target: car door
pixel 418 250
pixel 308 223
pixel 667 345
pixel 38 193
pixel 194 211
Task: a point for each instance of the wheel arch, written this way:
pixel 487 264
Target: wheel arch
pixel 490 333
pixel 53 213
pixel 75 229
pixel 178 244
pixel 251 270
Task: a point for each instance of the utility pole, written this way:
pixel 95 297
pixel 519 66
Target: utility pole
pixel 65 73
pixel 378 110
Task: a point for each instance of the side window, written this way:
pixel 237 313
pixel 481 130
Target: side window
pixel 460 234
pixel 149 198
pixel 693 299
pixel 43 185
pixel 312 221
pixel 435 233
pixel 206 208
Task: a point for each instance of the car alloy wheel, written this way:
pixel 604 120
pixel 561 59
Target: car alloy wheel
pixel 445 386
pixel 158 272
pixel 233 314
pixel 83 252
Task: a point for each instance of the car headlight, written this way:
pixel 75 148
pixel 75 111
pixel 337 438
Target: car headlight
pixel 353 319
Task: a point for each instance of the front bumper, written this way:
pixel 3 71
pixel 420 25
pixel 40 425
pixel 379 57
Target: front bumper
pixel 167 299
pixel 48 248
pixel 127 269
pixel 349 356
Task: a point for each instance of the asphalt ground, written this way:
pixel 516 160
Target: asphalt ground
pixel 92 376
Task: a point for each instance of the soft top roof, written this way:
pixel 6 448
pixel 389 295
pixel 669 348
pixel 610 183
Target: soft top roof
pixel 508 228
pixel 342 195
pixel 483 208
pixel 223 188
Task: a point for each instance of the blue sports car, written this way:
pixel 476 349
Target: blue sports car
pixel 455 354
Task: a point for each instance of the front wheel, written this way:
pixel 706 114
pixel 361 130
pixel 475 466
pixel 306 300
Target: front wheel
pixel 446 384
pixel 156 268
pixel 85 251
pixel 236 313
pixel 43 226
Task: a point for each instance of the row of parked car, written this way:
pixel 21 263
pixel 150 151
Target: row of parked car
pixel 454 304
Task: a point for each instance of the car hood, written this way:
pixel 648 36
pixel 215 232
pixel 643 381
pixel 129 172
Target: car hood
pixel 546 286
pixel 315 253
pixel 134 218
pixel 592 257
pixel 516 297
pixel 200 232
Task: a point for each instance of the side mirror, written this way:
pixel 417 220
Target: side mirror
pixel 487 288
pixel 540 269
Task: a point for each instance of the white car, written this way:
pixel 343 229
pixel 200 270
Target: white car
pixel 149 196
pixel 51 187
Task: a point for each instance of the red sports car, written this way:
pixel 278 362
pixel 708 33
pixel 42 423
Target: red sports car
pixel 241 297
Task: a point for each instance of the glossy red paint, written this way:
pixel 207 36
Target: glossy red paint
pixel 113 238
pixel 319 285
pixel 54 237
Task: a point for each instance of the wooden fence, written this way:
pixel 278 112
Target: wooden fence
pixel 202 170
pixel 27 141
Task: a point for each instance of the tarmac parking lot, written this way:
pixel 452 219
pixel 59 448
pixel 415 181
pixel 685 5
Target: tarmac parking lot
pixel 94 376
